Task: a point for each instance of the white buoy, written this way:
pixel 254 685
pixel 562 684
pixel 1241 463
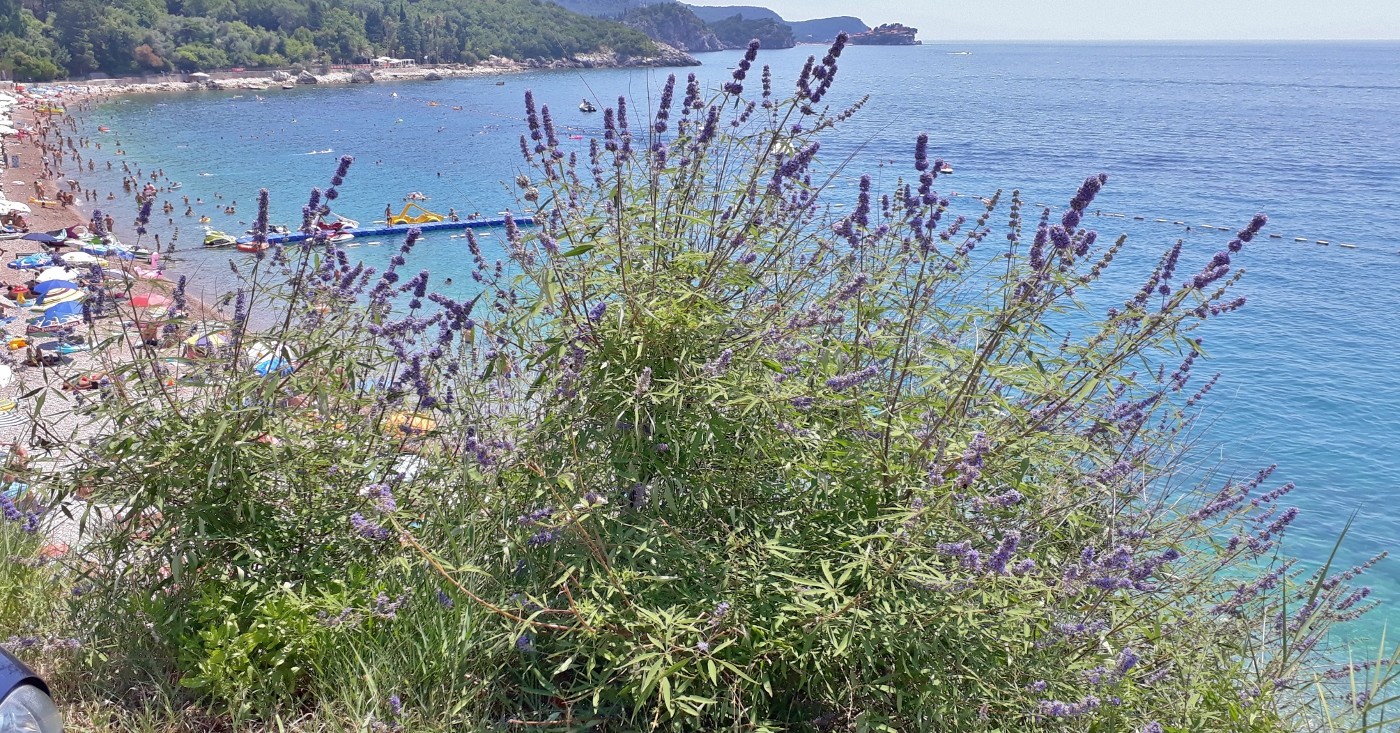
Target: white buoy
pixel 1300 239
pixel 1348 246
pixel 1323 241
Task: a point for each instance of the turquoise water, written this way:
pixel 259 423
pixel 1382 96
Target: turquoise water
pixel 1202 134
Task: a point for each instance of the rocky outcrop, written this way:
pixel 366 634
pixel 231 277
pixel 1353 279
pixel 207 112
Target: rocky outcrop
pixel 674 25
pixel 307 77
pixel 889 34
pixel 361 76
pixel 432 76
pixel 665 56
pixel 280 75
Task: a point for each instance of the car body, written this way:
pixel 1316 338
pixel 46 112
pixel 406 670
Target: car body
pixel 25 703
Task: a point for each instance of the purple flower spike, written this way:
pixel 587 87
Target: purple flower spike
pixel 843 382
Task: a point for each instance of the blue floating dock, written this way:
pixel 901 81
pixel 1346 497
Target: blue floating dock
pixel 389 231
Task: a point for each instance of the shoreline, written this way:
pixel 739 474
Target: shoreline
pixel 667 57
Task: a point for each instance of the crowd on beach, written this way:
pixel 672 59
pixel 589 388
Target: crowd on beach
pixel 44 385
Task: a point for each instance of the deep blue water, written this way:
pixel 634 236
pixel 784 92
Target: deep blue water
pixel 1203 134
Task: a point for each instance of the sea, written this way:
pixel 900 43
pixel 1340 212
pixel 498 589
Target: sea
pixel 1195 138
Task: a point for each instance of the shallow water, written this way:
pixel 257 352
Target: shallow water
pixel 1203 134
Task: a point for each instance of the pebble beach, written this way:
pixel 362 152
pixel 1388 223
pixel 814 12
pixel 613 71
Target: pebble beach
pixel 41 403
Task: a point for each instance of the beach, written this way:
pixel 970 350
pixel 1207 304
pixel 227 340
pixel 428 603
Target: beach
pixel 36 153
pixel 41 401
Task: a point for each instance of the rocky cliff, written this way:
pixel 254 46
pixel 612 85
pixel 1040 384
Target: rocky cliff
pixel 675 25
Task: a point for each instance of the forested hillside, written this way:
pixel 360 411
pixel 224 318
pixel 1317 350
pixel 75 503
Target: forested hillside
pixel 609 8
pixel 716 13
pixel 736 31
pixel 676 25
pixel 47 39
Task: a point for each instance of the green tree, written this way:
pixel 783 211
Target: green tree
pixel 199 56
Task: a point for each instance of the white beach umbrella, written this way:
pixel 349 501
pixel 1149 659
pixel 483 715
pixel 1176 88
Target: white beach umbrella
pixel 10 207
pixel 79 258
pixel 7 130
pixel 11 417
pixel 56 273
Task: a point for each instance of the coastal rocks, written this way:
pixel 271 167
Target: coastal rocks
pixel 889 34
pixel 432 76
pixel 665 55
pixel 361 76
pixel 307 77
pixel 280 76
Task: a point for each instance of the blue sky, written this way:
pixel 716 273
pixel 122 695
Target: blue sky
pixel 938 20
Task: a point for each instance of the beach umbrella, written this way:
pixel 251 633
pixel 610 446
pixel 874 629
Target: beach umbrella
pixel 55 273
pixel 204 344
pixel 409 423
pixel 210 340
pixel 12 207
pixel 149 300
pixel 56 288
pixel 79 258
pixel 61 314
pixel 42 237
pixel 11 416
pixel 62 308
pixel 7 130
pixel 44 287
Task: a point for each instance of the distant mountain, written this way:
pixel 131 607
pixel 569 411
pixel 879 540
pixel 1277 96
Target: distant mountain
pixel 819 30
pixel 825 30
pixel 724 26
pixel 716 13
pixel 611 9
